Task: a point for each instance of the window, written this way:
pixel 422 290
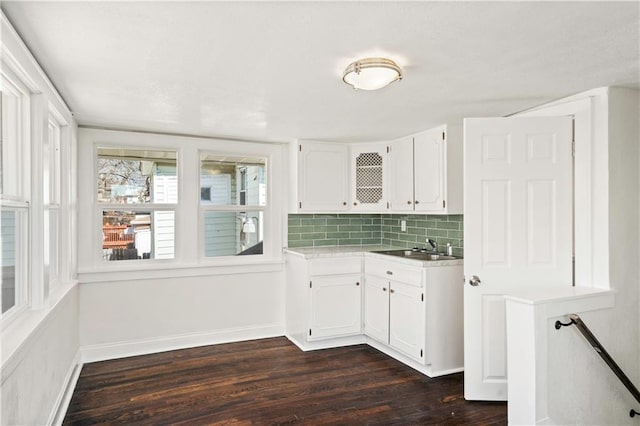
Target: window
pixel 233 210
pixel 14 194
pixel 51 195
pixel 137 194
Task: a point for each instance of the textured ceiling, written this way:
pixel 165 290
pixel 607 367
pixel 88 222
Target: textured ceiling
pixel 272 70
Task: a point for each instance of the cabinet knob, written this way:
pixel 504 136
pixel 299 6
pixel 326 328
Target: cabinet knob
pixel 409 202
pixel 384 289
pixel 357 283
pixel 389 272
pixel 344 203
pixel 417 201
pixel 355 204
pixel 391 290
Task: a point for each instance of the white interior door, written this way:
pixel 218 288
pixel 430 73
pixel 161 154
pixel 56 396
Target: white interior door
pixel 518 231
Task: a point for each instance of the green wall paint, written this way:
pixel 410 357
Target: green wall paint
pixel 315 230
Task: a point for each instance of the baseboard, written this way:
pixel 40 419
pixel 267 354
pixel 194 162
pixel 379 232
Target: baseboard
pixel 94 353
pixel 66 392
pixel 335 342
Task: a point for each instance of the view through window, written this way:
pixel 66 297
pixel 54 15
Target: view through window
pixel 233 197
pixel 137 191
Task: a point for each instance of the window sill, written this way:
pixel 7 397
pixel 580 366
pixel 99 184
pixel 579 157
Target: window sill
pixel 16 337
pixel 154 270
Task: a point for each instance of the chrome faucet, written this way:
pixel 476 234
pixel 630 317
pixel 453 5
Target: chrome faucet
pixel 434 245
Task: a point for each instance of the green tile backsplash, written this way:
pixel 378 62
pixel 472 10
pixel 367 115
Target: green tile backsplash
pixel 314 230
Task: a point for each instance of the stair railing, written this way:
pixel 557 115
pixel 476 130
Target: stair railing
pixel 597 346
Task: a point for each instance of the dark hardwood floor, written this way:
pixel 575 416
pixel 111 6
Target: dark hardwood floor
pixel 271 381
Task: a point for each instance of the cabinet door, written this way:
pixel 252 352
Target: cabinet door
pixel 429 169
pixel 335 306
pixel 401 175
pixel 376 308
pixel 368 177
pixel 323 174
pixel 407 320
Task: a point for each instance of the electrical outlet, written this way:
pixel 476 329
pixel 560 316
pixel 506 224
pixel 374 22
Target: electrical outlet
pixel 403 225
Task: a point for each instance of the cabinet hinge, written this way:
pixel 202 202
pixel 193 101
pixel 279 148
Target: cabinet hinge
pixel 309 332
pixel 310 284
pixel 444 204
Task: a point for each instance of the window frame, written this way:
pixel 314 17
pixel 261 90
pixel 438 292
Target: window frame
pixel 16 141
pixel 52 199
pixel 100 208
pixel 188 260
pixel 238 208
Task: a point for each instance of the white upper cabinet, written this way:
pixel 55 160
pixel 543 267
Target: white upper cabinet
pixel 401 197
pixel 425 172
pixel 420 173
pixel 323 177
pixel 369 177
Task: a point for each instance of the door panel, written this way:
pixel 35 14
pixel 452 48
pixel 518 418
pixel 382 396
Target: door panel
pixel 376 308
pixel 335 306
pixel 429 166
pixel 518 231
pixel 401 175
pixel 407 319
pixel 323 174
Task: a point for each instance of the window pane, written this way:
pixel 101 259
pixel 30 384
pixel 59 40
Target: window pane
pixel 11 138
pixel 233 181
pixel 233 233
pixel 51 248
pixel 130 235
pixel 128 176
pixel 8 225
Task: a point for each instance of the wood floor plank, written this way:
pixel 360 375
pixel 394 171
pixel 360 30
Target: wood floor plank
pixel 272 382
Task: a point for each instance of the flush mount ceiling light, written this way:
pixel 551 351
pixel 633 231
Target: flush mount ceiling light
pixel 372 73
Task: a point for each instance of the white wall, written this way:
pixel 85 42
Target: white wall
pixel 147 315
pixel 35 378
pixel 582 389
pixel 40 345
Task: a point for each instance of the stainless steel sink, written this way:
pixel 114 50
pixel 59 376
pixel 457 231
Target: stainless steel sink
pixel 417 255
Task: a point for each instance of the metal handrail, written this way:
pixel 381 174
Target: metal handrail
pixel 597 346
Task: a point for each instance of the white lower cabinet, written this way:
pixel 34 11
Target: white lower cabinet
pixel 394 311
pixel 407 319
pixel 406 309
pixel 415 312
pixel 336 302
pixel 324 301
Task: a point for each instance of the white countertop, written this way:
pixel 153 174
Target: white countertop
pixel 340 251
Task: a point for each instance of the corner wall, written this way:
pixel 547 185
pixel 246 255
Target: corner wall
pixel 35 379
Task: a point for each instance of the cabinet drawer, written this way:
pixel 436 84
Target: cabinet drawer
pixel 393 271
pixel 335 265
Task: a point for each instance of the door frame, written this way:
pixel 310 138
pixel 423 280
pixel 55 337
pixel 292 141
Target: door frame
pixel 589 270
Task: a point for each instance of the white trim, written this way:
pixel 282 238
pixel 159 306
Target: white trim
pixel 154 270
pixel 61 405
pixel 424 369
pixel 94 353
pixel 336 342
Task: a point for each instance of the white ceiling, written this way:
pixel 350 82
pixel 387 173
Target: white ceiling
pixel 272 70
